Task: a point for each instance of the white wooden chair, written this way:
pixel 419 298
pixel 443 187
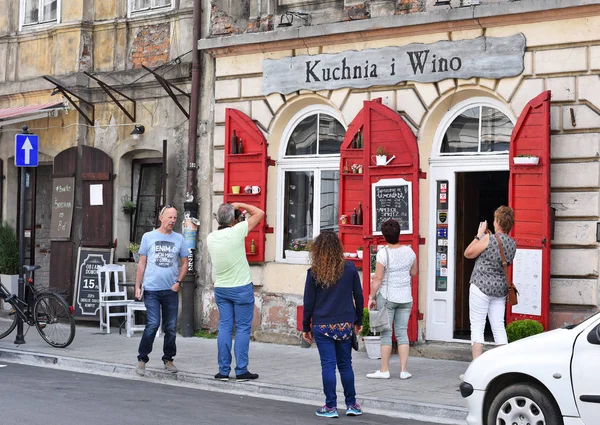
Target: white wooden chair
pixel 131 326
pixel 112 294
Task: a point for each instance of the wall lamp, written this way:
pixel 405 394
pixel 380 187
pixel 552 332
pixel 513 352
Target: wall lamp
pixel 287 18
pixel 138 130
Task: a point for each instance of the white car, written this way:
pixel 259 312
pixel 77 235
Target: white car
pixel 548 379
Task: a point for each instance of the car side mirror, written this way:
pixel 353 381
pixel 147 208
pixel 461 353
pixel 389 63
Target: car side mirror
pixel 594 336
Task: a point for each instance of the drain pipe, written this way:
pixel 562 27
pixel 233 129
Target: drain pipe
pixel 191 202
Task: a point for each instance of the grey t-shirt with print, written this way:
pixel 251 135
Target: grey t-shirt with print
pixel 488 274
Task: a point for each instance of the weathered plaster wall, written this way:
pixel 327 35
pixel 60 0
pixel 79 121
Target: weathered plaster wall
pixel 561 56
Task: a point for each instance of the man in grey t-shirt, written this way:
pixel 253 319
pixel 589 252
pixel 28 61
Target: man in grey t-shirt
pixel 163 264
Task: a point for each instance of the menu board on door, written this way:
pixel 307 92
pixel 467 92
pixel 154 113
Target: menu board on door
pixel 63 191
pixel 392 199
pixel 527 277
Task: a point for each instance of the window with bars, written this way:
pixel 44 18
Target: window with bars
pixel 147 193
pixel 39 11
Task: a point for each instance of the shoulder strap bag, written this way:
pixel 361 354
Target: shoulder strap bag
pixel 512 290
pixel 379 320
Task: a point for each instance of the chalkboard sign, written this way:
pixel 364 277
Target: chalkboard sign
pixel 87 295
pixel 63 191
pixel 392 198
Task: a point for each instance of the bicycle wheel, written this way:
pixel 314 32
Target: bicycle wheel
pixel 54 320
pixel 8 319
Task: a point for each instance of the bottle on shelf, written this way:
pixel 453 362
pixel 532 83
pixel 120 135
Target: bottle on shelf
pixel 353 217
pixel 234 143
pixel 359 214
pixel 346 167
pixel 252 247
pixel 240 148
pixel 360 139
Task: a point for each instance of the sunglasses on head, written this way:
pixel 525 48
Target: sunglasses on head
pixel 163 209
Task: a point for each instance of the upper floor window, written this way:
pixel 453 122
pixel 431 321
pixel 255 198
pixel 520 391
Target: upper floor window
pixel 39 11
pixel 148 5
pixel 478 129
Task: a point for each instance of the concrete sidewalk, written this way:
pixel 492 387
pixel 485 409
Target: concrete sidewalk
pixel 286 372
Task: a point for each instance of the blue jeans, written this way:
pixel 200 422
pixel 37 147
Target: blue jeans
pixel 236 305
pixel 336 352
pixel 154 301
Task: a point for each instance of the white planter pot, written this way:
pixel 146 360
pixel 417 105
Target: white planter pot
pixel 136 256
pixel 373 346
pixel 360 254
pixel 296 256
pixel 11 283
pixel 529 160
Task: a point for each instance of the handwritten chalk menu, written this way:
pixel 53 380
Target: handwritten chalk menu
pixel 392 198
pixel 87 302
pixel 527 277
pixel 63 191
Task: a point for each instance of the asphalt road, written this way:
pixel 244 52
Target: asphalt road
pixel 34 395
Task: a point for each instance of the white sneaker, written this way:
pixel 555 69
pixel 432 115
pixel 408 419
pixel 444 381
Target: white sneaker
pixel 405 375
pixel 461 377
pixel 379 375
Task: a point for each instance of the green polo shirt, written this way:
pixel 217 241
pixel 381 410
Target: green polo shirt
pixel 228 255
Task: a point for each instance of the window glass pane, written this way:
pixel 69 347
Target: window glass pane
pixel 31 11
pixel 298 214
pixel 330 185
pixel 148 198
pixel 331 134
pixel 496 129
pixel 303 140
pixel 158 3
pixel 463 133
pixel 48 10
pixel 141 4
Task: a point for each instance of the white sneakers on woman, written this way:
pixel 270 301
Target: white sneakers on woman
pixel 379 375
pixel 405 375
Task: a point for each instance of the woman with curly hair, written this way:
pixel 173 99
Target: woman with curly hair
pixel 333 302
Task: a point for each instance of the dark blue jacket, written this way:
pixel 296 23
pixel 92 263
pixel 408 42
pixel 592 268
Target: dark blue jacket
pixel 339 303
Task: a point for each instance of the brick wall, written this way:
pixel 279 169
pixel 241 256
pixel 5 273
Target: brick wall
pixel 151 45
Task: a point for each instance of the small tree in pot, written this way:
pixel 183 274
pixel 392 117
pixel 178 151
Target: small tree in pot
pixel 372 340
pixel 9 258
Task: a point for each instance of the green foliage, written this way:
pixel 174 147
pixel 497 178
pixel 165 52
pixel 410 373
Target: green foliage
pixel 380 151
pixel 366 329
pixel 203 333
pixel 520 329
pixel 133 247
pixel 9 250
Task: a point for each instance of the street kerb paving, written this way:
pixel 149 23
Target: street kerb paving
pixel 286 372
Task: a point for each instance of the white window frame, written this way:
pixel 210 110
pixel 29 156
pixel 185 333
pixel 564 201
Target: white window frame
pixel 454 113
pixel 23 25
pixel 152 9
pixel 311 163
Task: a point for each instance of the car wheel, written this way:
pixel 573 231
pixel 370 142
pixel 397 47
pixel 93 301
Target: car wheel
pixel 527 404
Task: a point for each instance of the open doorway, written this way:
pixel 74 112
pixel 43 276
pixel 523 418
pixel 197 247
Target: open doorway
pixel 478 194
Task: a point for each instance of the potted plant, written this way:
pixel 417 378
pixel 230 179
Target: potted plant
pixel 372 340
pixel 134 249
pixel 9 258
pixel 298 251
pixel 359 252
pixel 526 158
pixel 520 329
pixel 128 205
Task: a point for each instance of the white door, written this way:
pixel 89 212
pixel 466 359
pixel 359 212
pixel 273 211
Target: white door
pixel 586 375
pixel 442 253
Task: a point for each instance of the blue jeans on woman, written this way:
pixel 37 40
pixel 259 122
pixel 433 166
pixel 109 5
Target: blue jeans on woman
pixel 336 352
pixel 155 301
pixel 236 305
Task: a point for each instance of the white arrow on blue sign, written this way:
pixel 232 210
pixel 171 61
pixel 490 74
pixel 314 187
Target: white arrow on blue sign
pixel 26 150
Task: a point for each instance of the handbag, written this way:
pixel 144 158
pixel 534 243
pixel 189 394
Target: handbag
pixel 354 340
pixel 512 290
pixel 379 320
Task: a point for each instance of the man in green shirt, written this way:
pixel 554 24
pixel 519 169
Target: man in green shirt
pixel 234 291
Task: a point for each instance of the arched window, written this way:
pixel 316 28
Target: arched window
pixel 477 129
pixel 308 177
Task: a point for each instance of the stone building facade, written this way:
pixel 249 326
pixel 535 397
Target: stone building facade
pixel 561 55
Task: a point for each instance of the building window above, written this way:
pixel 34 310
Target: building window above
pixel 39 11
pixel 148 5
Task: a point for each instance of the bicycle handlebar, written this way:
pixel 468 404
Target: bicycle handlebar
pixel 31 268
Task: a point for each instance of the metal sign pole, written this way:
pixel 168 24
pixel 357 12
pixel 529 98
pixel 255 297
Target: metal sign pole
pixel 20 339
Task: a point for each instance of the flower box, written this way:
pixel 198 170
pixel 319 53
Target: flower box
pixel 296 256
pixel 526 160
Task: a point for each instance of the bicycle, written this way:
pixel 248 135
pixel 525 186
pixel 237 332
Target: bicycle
pixel 49 312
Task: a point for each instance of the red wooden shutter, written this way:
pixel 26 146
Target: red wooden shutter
pixel 380 126
pixel 529 196
pixel 247 169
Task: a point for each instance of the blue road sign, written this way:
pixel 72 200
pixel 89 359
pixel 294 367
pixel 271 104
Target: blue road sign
pixel 26 150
